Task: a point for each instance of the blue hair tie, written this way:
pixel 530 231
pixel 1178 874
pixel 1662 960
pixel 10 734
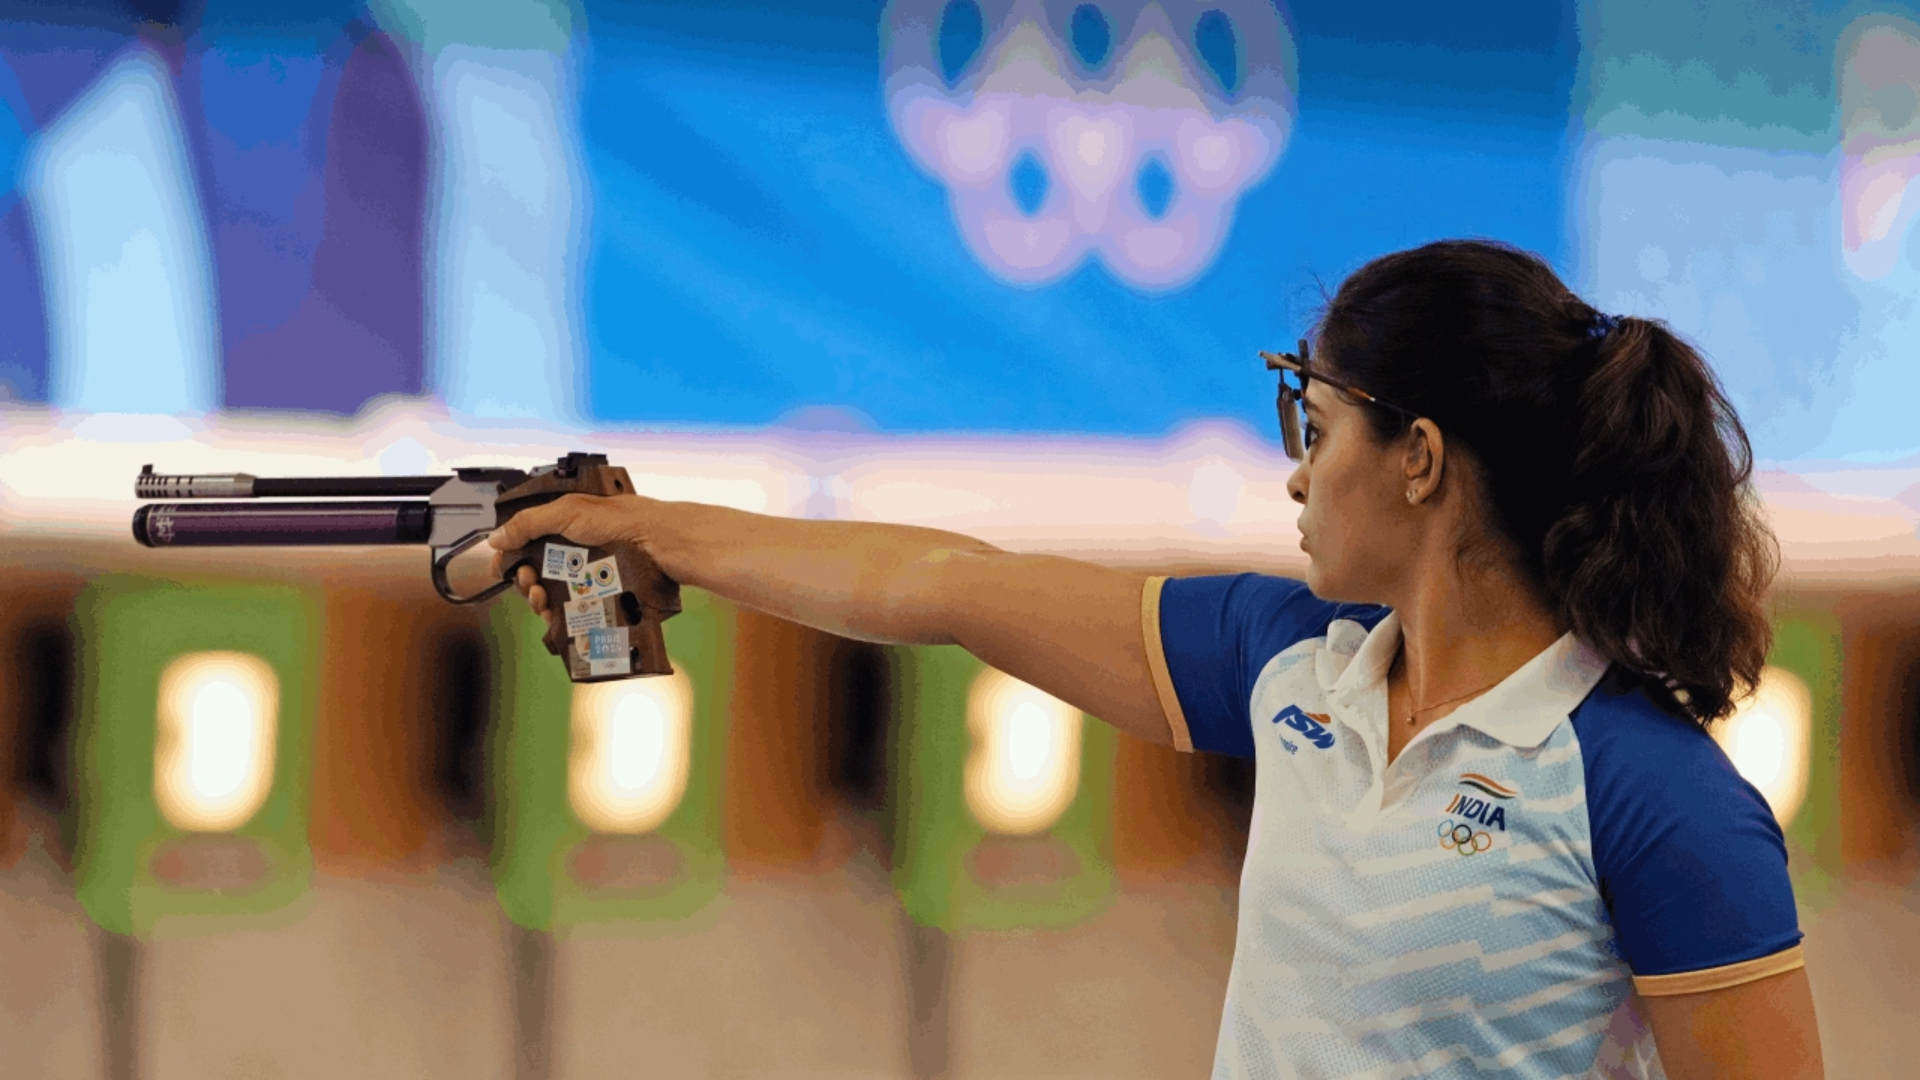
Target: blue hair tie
pixel 1602 326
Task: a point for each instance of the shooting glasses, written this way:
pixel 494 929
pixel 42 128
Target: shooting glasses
pixel 1295 433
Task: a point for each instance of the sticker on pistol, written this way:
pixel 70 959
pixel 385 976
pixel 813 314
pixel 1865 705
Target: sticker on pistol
pixel 601 579
pixel 564 563
pixel 585 615
pixel 608 652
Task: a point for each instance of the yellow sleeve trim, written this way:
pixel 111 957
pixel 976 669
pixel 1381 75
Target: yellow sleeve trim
pixel 1720 978
pixel 1157 663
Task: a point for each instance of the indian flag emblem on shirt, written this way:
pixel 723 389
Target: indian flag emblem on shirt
pixel 1488 785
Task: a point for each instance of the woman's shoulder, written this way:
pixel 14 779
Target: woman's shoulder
pixel 1655 778
pixel 1281 610
pixel 1213 635
pixel 1627 736
pixel 1690 860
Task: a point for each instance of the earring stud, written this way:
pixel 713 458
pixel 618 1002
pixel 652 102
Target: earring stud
pixel 1409 494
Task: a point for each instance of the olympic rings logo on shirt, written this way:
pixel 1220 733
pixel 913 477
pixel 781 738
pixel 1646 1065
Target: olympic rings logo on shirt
pixel 1459 836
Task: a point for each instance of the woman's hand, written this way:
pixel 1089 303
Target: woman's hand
pixel 586 520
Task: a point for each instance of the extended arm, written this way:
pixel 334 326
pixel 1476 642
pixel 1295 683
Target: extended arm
pixel 1070 628
pixel 1762 1030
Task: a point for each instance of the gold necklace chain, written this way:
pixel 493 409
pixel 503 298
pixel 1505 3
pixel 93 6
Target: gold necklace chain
pixel 1411 713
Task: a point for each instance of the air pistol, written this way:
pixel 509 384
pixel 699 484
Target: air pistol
pixel 608 603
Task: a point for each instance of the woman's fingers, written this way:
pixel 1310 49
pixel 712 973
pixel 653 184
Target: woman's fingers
pixel 584 519
pixel 564 516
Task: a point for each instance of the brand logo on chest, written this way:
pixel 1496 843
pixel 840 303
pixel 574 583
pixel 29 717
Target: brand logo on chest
pixel 1311 726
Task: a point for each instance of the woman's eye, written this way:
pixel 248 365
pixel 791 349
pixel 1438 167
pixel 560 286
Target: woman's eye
pixel 1311 434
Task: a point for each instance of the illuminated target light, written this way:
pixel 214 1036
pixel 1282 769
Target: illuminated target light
pixel 1024 769
pixel 631 751
pixel 213 760
pixel 1768 737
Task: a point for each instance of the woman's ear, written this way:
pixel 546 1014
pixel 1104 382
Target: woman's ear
pixel 1425 460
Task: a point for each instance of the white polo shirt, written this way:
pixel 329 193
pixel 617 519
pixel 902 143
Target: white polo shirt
pixel 1487 904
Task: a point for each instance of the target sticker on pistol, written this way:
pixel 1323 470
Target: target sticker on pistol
pixel 564 563
pixel 602 578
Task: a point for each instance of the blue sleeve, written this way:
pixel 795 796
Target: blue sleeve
pixel 1692 865
pixel 1219 632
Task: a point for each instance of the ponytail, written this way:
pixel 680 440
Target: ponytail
pixel 1661 559
pixel 1611 459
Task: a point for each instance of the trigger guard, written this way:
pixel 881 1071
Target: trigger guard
pixel 443 557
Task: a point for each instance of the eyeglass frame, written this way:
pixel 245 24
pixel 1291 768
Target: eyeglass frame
pixel 1292 420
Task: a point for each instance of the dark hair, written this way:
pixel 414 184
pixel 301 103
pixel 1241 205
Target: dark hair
pixel 1610 457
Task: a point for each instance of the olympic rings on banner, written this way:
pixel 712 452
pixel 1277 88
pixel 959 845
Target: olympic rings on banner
pixel 1459 836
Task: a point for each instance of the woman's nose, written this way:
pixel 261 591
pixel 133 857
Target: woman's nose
pixel 1297 484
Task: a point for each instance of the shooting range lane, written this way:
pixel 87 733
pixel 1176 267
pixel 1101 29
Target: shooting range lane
pixel 378 835
pixel 51 1022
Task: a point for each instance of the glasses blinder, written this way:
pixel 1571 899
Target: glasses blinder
pixel 1292 437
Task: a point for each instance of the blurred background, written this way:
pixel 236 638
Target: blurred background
pixel 996 266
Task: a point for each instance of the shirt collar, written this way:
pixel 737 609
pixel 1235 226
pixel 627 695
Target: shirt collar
pixel 1370 664
pixel 1522 710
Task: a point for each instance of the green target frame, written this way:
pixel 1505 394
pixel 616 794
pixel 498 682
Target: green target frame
pixel 538 841
pixel 1807 642
pixel 129 630
pixel 939 844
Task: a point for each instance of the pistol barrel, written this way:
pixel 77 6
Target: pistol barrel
pixel 242 524
pixel 152 485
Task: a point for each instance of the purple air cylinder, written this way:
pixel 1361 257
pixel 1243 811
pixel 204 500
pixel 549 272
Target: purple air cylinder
pixel 249 524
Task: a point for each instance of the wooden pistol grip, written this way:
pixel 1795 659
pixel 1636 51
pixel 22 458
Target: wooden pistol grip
pixel 625 600
pixel 625 607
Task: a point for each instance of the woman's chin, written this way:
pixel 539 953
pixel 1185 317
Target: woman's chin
pixel 1324 582
pixel 1314 577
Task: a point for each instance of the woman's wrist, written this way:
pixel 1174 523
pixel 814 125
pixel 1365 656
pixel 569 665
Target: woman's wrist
pixel 689 540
